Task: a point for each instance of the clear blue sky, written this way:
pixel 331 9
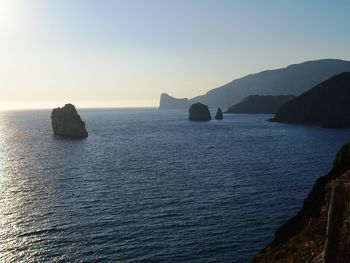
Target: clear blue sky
pixel 125 53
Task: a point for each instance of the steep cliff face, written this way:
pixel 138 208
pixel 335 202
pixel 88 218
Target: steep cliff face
pixel 170 103
pixel 321 230
pixel 66 122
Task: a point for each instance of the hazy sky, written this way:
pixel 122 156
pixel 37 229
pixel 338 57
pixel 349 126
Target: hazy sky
pixel 126 52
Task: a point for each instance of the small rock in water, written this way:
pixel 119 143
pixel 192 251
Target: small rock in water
pixel 199 112
pixel 219 115
pixel 66 122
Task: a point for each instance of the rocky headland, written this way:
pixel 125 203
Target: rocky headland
pixel 326 105
pixel 168 102
pixel 66 122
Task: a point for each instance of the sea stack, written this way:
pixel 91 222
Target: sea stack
pixel 219 115
pixel 199 112
pixel 66 122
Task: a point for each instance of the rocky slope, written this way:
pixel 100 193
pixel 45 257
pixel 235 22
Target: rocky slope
pixel 320 232
pixel 260 104
pixel 294 79
pixel 326 105
pixel 66 122
pixel 168 102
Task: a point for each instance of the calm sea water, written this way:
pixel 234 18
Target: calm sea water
pixel 150 186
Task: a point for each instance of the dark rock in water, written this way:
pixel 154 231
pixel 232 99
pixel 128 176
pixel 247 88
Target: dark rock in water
pixel 320 232
pixel 219 115
pixel 326 105
pixel 66 122
pixel 199 112
pixel 170 103
pixel 256 104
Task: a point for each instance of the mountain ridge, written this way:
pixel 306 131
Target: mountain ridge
pixel 293 79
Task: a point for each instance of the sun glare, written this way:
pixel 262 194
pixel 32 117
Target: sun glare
pixel 7 15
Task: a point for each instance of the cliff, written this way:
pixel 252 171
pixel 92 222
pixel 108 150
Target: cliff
pixel 326 105
pixel 167 102
pixel 320 232
pixel 294 79
pixel 66 122
pixel 260 104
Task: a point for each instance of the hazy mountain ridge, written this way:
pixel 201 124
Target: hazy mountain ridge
pixel 254 104
pixel 292 80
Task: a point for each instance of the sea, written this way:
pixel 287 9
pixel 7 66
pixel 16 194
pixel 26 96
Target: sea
pixel 150 186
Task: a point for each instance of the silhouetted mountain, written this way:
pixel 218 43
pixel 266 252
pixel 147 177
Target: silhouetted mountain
pixel 326 105
pixel 294 79
pixel 167 102
pixel 199 112
pixel 260 104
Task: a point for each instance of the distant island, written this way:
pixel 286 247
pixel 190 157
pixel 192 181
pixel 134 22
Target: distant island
pixel 254 104
pixel 320 232
pixel 66 122
pixel 292 80
pixel 326 105
pixel 168 102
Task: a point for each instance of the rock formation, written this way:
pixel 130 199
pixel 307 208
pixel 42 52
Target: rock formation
pixel 169 103
pixel 219 115
pixel 325 105
pixel 294 79
pixel 66 122
pixel 320 232
pixel 199 112
pixel 256 104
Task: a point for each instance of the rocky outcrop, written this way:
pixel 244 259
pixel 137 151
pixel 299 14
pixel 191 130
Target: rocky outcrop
pixel 256 104
pixel 66 122
pixel 170 103
pixel 199 112
pixel 326 105
pixel 320 232
pixel 219 115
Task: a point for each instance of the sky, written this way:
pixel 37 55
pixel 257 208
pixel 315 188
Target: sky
pixel 125 53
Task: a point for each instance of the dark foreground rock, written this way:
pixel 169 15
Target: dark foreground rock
pixel 320 232
pixel 256 104
pixel 326 105
pixel 199 112
pixel 219 115
pixel 66 122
